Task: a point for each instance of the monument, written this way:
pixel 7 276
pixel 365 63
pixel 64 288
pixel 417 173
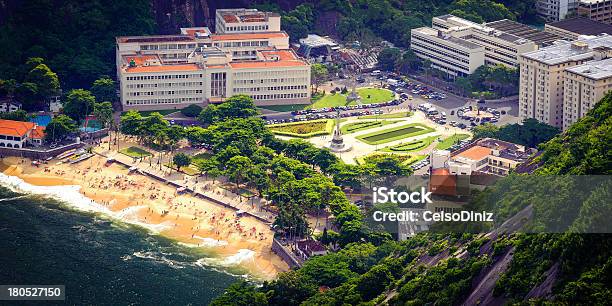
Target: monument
pixel 337 143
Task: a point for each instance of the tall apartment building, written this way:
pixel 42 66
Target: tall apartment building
pixel 458 46
pixel 598 10
pixel 245 21
pixel 199 67
pixel 542 75
pixel 555 10
pixel 583 86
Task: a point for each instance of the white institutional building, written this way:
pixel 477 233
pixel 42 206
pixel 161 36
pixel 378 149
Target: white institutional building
pixel 247 55
pixel 458 46
pixel 560 83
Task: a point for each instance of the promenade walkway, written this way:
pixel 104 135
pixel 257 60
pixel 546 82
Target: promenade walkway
pixel 198 186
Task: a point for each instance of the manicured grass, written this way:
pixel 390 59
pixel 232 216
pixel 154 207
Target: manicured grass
pixel 367 95
pixel 450 141
pixel 387 116
pixel 401 132
pixel 285 108
pixel 304 129
pixel 190 170
pixel 364 125
pixel 329 100
pixel 411 146
pixel 134 152
pixel 375 95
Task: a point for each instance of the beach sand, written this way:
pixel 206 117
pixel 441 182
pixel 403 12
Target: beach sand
pixel 185 218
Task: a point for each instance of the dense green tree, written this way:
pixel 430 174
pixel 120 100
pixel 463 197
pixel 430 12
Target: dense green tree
pixel 104 89
pixel 319 74
pixel 130 123
pixel 241 294
pixel 191 110
pixel 238 168
pixel 181 160
pixel 388 58
pixel 46 80
pixel 18 115
pixel 59 128
pixel 78 104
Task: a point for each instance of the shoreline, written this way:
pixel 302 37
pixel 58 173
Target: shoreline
pixel 139 199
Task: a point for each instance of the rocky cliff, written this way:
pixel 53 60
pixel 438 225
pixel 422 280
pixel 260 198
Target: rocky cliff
pixel 173 14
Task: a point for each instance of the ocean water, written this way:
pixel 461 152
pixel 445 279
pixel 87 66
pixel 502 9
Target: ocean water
pixel 100 259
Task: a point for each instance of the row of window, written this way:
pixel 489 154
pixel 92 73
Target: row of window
pixel 434 43
pixel 165 92
pixel 267 73
pixel 271 88
pixel 163 101
pixel 280 96
pixel 165 85
pixel 13 138
pixel 238 44
pixel 461 59
pixel 163 77
pixel 168 46
pixel 435 57
pixel 272 81
pixel 262 27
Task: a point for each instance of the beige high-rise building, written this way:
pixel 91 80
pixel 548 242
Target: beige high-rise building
pixel 599 10
pixel 541 92
pixel 583 86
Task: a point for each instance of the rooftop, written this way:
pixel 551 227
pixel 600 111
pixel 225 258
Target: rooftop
pixel 245 15
pixel 272 58
pixel 15 128
pixel 475 153
pixel 154 38
pixel 582 26
pixel 563 51
pixel 524 31
pixel 446 36
pixel 313 40
pixel 246 36
pixel 597 70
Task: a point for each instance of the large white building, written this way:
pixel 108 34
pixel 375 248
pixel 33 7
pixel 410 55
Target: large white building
pixel 458 46
pixel 245 21
pixel 543 74
pixel 199 67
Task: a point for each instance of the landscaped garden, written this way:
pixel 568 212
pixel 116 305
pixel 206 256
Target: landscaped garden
pixel 364 125
pixel 406 159
pixel 134 152
pixel 412 146
pixel 303 129
pixel 450 141
pixel 401 132
pixel 367 95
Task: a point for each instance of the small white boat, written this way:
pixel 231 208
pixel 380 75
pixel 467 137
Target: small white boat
pixel 66 154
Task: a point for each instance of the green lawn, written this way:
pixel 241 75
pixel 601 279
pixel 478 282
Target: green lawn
pixel 367 94
pixel 387 116
pixel 134 152
pixel 448 142
pixel 364 125
pixel 285 108
pixel 401 132
pixel 375 95
pixel 406 159
pixel 190 170
pixel 411 146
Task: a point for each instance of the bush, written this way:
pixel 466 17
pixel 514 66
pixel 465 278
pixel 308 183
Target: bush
pixel 191 110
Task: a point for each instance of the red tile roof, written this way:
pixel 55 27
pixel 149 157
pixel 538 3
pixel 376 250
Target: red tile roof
pixel 264 64
pixel 15 128
pixel 38 132
pixel 139 60
pixel 475 153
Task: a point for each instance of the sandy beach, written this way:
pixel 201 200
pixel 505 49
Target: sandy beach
pixel 141 199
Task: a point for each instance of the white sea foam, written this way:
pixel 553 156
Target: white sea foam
pixel 242 256
pixel 70 195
